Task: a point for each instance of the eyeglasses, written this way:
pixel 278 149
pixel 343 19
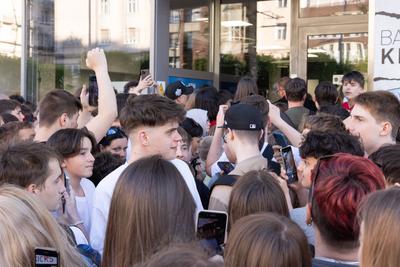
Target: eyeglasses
pixel 314 178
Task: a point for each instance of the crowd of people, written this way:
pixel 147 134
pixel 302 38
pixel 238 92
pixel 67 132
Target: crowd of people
pixel 306 180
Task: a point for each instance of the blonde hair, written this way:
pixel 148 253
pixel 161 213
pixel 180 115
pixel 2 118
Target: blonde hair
pixel 380 216
pixel 26 224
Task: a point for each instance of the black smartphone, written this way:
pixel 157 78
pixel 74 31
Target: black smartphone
pixel 211 229
pixel 144 73
pixel 290 165
pixel 280 139
pixel 46 257
pixel 93 91
pixel 225 166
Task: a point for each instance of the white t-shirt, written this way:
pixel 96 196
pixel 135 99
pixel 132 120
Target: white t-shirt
pixel 104 192
pixel 84 204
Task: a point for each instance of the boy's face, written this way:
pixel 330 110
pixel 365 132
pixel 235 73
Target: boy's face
pixel 195 146
pixel 362 124
pixel 18 114
pixel 163 140
pixel 51 192
pixel 351 89
pixel 183 151
pixel 304 169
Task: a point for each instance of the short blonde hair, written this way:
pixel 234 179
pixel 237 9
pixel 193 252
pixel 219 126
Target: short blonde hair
pixel 26 224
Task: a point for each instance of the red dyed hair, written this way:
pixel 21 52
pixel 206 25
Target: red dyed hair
pixel 343 182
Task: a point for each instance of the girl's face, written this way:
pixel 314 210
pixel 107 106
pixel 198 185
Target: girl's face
pixel 81 165
pixel 117 147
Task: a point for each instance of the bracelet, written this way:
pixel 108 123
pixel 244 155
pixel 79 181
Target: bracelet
pixel 77 223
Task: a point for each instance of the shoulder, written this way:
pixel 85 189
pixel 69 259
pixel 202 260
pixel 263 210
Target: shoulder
pixel 106 186
pixel 87 184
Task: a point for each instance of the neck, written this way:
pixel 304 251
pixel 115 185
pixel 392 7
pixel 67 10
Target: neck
pixel 386 140
pixel 74 181
pixel 295 104
pixel 137 152
pixel 43 133
pixel 322 249
pixel 245 152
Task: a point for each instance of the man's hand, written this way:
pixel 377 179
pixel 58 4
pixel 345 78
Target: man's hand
pixel 221 115
pixel 143 84
pixel 96 60
pixel 84 97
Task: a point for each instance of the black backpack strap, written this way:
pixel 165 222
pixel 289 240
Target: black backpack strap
pixel 226 179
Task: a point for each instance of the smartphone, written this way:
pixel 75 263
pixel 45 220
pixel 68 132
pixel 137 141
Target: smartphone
pixel 211 229
pixel 225 166
pixel 144 73
pixel 46 257
pixel 280 139
pixel 93 91
pixel 290 165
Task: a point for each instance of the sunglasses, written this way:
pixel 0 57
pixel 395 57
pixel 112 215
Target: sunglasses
pixel 113 131
pixel 315 176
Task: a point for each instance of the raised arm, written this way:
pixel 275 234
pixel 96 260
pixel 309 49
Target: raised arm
pixel 291 133
pixel 216 145
pixel 107 109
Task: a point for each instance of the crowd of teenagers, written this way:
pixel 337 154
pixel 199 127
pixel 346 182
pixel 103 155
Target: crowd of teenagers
pixel 302 181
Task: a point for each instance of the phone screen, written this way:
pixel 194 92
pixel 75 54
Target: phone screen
pixel 290 166
pixel 280 139
pixel 225 166
pixel 93 91
pixel 211 229
pixel 144 73
pixel 46 257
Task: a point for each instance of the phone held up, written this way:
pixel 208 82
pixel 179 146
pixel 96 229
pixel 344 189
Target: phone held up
pixel 289 164
pixel 93 91
pixel 46 257
pixel 211 229
pixel 143 74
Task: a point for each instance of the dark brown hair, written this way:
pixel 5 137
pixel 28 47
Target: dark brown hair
pixel 324 122
pixel 26 163
pixel 245 87
pixel 383 106
pixel 255 192
pixel 388 160
pixel 68 142
pixel 9 132
pixel 151 207
pixel 8 105
pixel 54 104
pixel 149 110
pixel 296 89
pixel 267 239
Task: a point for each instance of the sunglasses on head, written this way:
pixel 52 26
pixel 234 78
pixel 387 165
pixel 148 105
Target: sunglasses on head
pixel 113 131
pixel 315 176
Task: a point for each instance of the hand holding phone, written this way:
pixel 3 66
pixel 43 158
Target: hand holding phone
pixel 289 164
pixel 211 229
pixel 46 257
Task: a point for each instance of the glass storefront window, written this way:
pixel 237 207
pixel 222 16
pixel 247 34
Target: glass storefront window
pixel 255 41
pixel 10 46
pixel 61 32
pixel 189 35
pixel 324 8
pixel 331 54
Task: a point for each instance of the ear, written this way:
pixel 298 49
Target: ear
pixel 32 188
pixel 308 214
pixel 143 137
pixel 386 129
pixel 63 119
pixel 261 135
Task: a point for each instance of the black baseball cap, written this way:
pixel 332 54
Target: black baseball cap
pixel 176 89
pixel 243 117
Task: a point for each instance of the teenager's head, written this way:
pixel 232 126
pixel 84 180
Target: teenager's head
pixel 25 225
pixel 255 192
pixel 151 121
pixel 184 150
pixel 375 118
pixel 16 131
pixel 245 87
pixel 387 158
pixel 243 126
pixel 76 147
pixel 379 219
pixel 319 144
pixel 59 107
pixel 296 90
pixel 195 131
pixel 267 239
pixel 179 92
pixel 35 167
pixel 353 84
pixel 207 99
pixel 151 207
pixel 281 85
pixel 323 122
pixel 260 103
pixel 326 94
pixel 339 184
pixel 115 141
pixel 224 97
pixel 104 163
pixel 12 107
